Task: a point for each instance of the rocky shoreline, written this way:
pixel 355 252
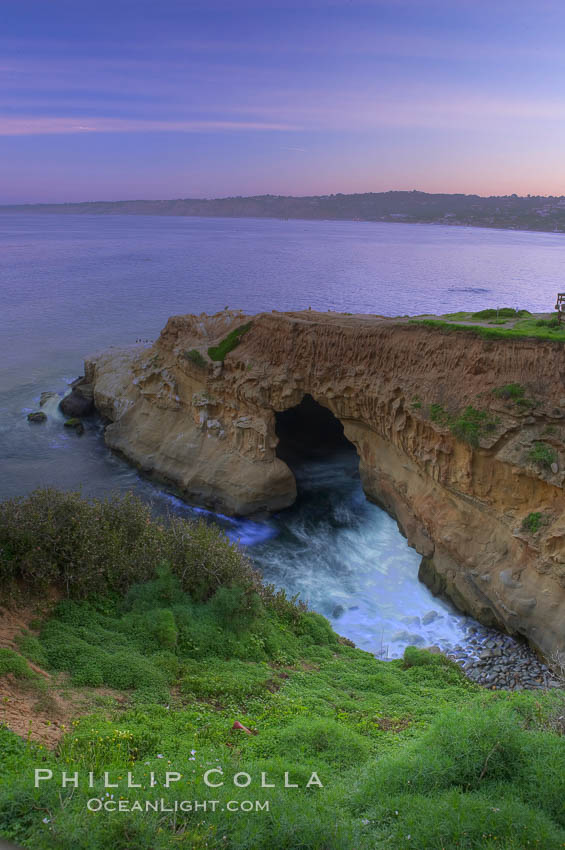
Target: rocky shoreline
pixel 500 662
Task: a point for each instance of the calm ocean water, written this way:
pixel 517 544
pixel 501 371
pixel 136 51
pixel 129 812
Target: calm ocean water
pixel 70 285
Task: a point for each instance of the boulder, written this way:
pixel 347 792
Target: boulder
pixel 38 416
pixel 429 617
pixel 76 424
pixel 79 402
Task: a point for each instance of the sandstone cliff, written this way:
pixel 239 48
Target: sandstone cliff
pixel 209 429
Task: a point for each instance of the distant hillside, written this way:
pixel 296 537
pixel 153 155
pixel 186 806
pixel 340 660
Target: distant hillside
pixel 508 211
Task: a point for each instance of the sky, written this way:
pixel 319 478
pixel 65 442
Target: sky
pixel 175 99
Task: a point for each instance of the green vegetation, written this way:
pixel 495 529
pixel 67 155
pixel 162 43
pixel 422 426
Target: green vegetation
pixel 542 454
pixel 533 522
pixel 30 647
pixel 38 416
pixel 549 323
pixel 220 351
pixel 85 547
pixel 510 391
pixel 460 316
pixel 409 752
pixel 493 316
pixel 515 393
pixel 523 328
pixel 196 357
pixel 12 662
pixel 469 425
pixel 439 414
pixel 503 312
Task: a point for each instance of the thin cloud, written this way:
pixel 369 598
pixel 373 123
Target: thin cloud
pixel 32 126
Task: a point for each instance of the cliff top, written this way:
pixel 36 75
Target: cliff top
pixel 503 323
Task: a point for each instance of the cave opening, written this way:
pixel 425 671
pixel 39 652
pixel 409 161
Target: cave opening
pixel 309 431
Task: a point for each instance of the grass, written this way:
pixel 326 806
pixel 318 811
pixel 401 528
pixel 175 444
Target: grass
pixel 471 424
pixel 402 748
pixel 513 392
pixel 12 662
pixel 523 329
pixel 439 414
pixel 542 455
pixel 468 425
pixel 502 313
pixel 516 394
pixel 196 357
pixel 548 323
pixel 219 352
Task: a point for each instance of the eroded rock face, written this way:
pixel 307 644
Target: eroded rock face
pixel 80 400
pixel 210 430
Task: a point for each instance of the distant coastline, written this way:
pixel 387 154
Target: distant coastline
pixel 509 212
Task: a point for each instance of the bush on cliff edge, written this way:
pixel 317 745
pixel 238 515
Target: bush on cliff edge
pixel 108 545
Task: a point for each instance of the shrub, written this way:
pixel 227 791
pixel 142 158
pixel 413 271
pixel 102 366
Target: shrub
pixel 414 657
pixel 317 628
pixel 439 414
pixel 204 559
pixel 468 425
pixel 161 592
pixel 549 323
pixel 510 391
pixel 236 607
pixel 84 546
pixel 31 648
pixel 108 545
pixel 194 356
pixel 507 312
pixel 161 625
pixel 324 739
pixel 94 662
pixel 220 351
pixel 231 681
pixel 471 424
pixel 525 402
pixel 11 662
pixel 542 454
pixel 533 522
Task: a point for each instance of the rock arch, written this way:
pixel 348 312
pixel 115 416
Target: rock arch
pixel 211 431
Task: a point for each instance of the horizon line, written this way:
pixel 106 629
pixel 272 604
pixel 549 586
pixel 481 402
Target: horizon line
pixel 513 195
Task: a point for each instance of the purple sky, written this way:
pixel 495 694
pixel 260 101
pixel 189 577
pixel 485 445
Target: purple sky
pixel 121 99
